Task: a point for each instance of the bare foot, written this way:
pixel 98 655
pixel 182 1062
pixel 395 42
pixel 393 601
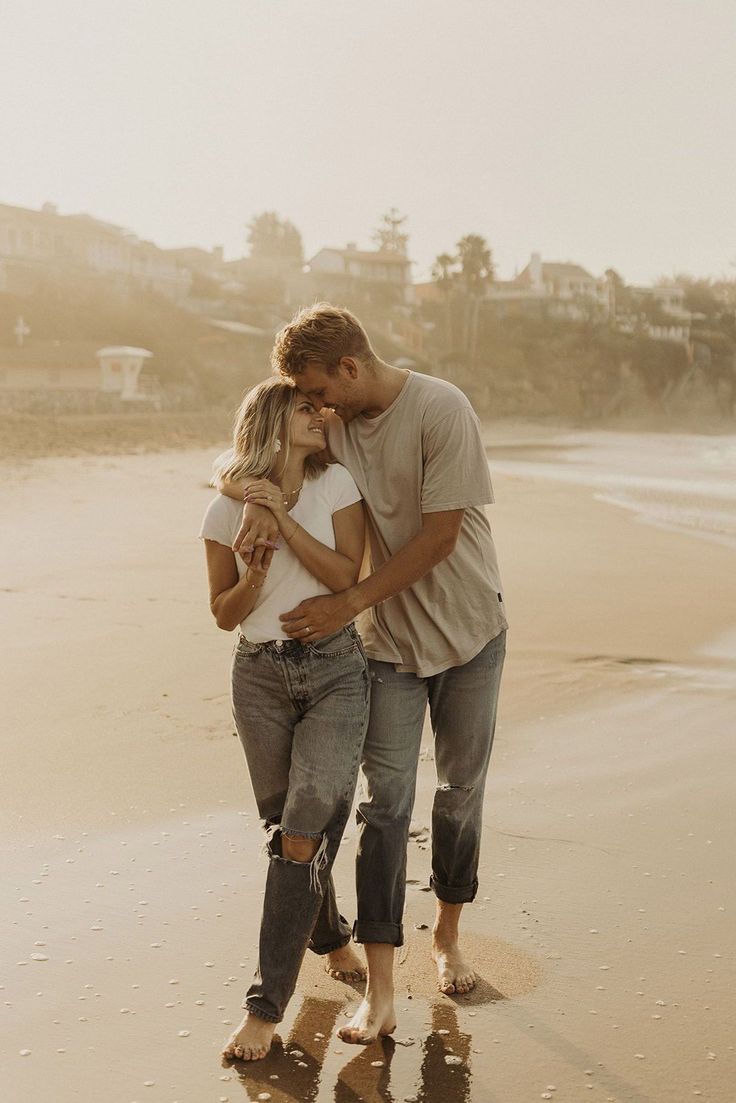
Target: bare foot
pixel 454 975
pixel 251 1041
pixel 344 964
pixel 374 1019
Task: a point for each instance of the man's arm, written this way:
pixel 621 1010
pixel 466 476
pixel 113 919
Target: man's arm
pixel 258 534
pixel 433 543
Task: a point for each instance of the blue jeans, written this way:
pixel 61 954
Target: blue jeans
pixel 462 703
pixel 301 712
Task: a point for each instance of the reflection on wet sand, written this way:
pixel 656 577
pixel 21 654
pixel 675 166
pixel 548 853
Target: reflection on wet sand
pixel 293 1069
pixel 300 1070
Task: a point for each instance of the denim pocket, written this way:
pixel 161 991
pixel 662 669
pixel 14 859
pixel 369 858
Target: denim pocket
pixel 244 647
pixel 342 642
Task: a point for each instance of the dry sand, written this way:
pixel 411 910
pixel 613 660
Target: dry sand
pixel 604 927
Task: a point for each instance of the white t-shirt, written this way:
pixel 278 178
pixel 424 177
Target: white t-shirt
pixel 287 582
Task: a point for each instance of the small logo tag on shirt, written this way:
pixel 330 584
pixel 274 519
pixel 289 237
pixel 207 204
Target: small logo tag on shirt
pixel 500 597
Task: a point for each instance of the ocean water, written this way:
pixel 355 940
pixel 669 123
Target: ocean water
pixel 679 481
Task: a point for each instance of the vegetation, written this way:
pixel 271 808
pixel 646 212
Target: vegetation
pixel 529 363
pixel 519 362
pixel 389 237
pixel 195 363
pixel 272 238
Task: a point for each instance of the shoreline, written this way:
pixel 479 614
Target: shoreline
pixel 26 437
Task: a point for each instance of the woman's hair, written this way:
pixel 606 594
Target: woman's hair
pixel 261 433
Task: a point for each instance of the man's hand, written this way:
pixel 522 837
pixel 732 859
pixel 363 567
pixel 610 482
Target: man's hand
pixel 321 615
pixel 258 537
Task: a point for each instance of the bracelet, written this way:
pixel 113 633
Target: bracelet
pixel 255 585
pixel 288 539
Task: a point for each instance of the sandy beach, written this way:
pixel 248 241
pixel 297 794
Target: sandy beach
pixel 603 932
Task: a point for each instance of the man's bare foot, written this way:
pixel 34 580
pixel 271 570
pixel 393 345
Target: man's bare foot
pixel 344 964
pixel 374 1019
pixel 251 1041
pixel 454 975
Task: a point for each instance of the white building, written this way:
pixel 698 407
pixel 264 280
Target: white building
pixel 366 272
pixel 566 289
pixel 37 242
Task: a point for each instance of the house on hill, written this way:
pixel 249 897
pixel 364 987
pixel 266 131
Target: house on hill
pixel 552 289
pixel 379 276
pixel 541 289
pixel 44 242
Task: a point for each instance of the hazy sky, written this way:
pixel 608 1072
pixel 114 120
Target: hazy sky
pixel 599 131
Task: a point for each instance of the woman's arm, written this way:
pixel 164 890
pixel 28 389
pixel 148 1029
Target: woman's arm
pixel 336 569
pixel 231 598
pixel 258 533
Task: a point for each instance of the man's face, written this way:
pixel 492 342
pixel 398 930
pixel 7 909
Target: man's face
pixel 339 392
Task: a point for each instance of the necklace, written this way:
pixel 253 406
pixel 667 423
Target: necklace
pixel 285 497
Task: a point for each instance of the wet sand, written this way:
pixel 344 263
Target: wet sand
pixel 603 931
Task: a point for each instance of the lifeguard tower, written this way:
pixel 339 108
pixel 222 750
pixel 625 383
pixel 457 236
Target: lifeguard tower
pixel 120 367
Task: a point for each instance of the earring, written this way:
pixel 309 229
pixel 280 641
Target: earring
pixel 277 446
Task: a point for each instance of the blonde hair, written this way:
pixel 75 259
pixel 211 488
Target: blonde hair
pixel 261 433
pixel 322 333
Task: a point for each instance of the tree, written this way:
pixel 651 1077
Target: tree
pixel 476 264
pixel 443 271
pixel 476 272
pixel 700 296
pixel 444 274
pixel 388 237
pixel 619 300
pixel 273 238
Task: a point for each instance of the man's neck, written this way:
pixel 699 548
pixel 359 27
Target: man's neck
pixel 386 386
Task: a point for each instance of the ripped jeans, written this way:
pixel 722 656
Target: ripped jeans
pixel 301 712
pixel 462 705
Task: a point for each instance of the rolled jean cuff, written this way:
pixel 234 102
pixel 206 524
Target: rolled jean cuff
pixel 253 1010
pixel 455 894
pixel 368 931
pixel 320 951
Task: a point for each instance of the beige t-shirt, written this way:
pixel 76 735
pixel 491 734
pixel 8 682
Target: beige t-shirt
pixel 424 454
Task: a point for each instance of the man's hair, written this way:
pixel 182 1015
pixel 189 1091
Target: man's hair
pixel 321 333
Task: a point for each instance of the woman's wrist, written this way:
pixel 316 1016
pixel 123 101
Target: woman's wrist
pixel 254 577
pixel 289 530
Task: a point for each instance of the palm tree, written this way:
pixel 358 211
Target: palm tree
pixel 477 271
pixel 445 276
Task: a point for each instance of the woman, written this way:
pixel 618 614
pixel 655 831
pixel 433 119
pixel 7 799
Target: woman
pixel 300 708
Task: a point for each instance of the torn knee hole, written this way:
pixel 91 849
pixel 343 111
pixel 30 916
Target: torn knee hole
pixel 299 848
pixel 457 788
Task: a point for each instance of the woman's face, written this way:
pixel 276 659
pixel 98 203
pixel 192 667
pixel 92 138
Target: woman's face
pixel 307 428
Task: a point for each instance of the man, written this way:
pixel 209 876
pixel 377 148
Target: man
pixel 432 622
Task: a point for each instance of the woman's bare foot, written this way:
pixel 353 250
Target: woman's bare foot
pixel 454 975
pixel 344 964
pixel 374 1019
pixel 251 1041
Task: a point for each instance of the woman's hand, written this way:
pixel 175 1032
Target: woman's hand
pixel 265 493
